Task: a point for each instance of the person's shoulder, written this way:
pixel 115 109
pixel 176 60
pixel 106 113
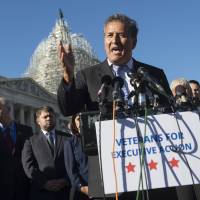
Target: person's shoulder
pixel 23 127
pixel 74 140
pixel 63 133
pixel 33 139
pixel 70 139
pixel 93 68
pixel 35 135
pixel 147 66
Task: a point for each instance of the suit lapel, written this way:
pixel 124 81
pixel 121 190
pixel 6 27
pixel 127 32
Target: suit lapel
pixel 57 144
pixel 18 137
pixel 105 69
pixel 136 65
pixel 44 142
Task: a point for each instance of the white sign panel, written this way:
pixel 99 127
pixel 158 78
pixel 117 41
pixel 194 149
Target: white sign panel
pixel 171 151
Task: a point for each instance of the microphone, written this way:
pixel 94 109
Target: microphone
pixel 105 81
pixel 117 84
pixel 152 82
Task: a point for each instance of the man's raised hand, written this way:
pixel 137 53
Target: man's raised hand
pixel 67 60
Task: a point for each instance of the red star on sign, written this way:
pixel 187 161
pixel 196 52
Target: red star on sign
pixel 174 162
pixel 130 167
pixel 152 165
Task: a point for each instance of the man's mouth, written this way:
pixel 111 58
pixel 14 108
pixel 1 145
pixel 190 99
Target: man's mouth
pixel 116 50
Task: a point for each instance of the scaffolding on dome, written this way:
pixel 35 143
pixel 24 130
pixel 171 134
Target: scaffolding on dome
pixel 45 67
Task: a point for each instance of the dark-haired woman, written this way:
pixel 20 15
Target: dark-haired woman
pixel 76 162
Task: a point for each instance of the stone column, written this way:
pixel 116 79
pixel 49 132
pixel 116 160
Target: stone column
pixel 57 121
pixel 12 110
pixel 32 122
pixel 21 114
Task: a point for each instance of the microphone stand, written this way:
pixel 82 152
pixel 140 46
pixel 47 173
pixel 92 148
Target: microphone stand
pixel 141 147
pixel 141 100
pixel 101 102
pixel 140 105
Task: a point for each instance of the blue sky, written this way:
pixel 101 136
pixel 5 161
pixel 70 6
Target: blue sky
pixel 169 31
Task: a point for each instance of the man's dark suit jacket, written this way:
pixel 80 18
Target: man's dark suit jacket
pixel 41 164
pixel 83 91
pixel 81 95
pixel 13 182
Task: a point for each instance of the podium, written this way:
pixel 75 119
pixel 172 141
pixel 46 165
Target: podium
pixel 172 154
pixel 88 132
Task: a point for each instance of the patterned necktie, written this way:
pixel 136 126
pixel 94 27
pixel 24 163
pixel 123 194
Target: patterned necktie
pixel 122 72
pixel 51 139
pixel 8 140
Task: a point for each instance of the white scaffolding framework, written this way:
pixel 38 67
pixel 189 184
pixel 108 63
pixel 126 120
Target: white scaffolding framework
pixel 45 67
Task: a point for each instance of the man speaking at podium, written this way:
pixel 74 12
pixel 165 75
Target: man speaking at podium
pixel 81 93
pixel 120 38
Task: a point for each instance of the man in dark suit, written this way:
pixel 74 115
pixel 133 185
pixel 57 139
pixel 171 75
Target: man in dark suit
pixel 83 92
pixel 43 159
pixel 14 185
pixel 120 38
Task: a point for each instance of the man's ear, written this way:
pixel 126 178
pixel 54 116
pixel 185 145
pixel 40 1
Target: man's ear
pixel 37 121
pixel 134 43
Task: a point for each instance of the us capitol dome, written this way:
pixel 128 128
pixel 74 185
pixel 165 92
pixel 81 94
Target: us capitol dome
pixel 45 67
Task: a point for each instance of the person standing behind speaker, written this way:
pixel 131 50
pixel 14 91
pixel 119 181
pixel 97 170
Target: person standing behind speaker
pixel 182 93
pixel 181 82
pixel 195 92
pixel 43 159
pixel 76 162
pixel 14 185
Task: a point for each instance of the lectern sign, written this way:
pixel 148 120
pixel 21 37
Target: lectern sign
pixel 171 151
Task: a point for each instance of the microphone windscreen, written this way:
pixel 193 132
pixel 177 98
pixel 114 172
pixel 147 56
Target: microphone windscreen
pixel 106 80
pixel 118 80
pixel 141 70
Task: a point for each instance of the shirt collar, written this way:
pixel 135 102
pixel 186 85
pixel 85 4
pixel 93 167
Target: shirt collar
pixel 1 125
pixel 129 64
pixel 47 132
pixel 11 126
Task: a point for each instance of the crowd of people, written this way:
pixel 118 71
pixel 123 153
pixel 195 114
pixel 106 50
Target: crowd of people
pixel 50 164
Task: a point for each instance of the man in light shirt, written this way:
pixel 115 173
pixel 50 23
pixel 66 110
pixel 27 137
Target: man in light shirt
pixel 81 93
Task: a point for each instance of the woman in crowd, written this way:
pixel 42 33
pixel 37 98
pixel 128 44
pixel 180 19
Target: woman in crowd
pixel 76 162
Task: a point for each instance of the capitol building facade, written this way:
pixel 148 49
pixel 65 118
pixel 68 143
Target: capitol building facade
pixel 24 96
pixel 39 84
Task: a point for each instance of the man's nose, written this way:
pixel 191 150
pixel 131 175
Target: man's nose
pixel 48 118
pixel 115 38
